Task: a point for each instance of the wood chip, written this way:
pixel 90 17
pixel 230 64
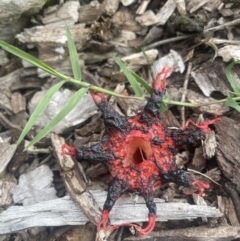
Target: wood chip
pixel 228 149
pixel 6 153
pixel 63 211
pixel 229 52
pixel 173 60
pixel 74 183
pixel 66 15
pixel 226 206
pixel 203 233
pixel 7 183
pixel 35 186
pixel 18 102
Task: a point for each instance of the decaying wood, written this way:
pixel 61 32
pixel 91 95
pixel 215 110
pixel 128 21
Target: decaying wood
pixel 207 78
pixel 203 233
pixel 135 61
pixel 52 41
pixel 172 60
pixel 7 183
pixel 226 206
pixel 150 18
pixel 6 153
pixel 74 183
pixel 228 149
pixel 65 15
pixel 34 187
pixel 11 16
pixel 199 99
pixel 229 53
pixel 63 211
pixel 18 102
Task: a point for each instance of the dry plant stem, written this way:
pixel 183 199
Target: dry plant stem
pixel 165 41
pixel 231 189
pixel 218 101
pixel 74 183
pixel 191 170
pixel 184 93
pixel 9 123
pixel 221 27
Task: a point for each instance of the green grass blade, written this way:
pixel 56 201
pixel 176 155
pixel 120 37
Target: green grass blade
pixel 39 109
pixel 235 86
pixel 163 106
pixel 73 56
pixel 64 111
pixel 232 103
pixel 29 58
pixel 142 81
pixel 133 82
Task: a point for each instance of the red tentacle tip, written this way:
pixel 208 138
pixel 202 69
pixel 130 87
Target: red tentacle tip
pixel 149 228
pixel 204 125
pixel 103 221
pixel 200 186
pixel 68 150
pixel 161 85
pixel 97 96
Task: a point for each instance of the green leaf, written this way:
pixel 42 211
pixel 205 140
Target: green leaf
pixel 64 111
pixel 31 59
pixel 39 109
pixel 142 82
pixel 133 82
pixel 73 56
pixel 235 86
pixel 163 106
pixel 232 103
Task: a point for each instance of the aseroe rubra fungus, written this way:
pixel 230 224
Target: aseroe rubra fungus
pixel 139 152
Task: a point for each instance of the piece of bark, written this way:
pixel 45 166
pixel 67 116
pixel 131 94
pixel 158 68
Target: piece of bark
pixel 150 18
pixel 153 34
pixel 203 233
pixel 199 99
pixel 7 183
pixel 18 102
pixel 34 187
pixel 228 149
pixel 6 153
pixel 3 57
pixel 110 6
pixel 226 206
pixel 52 42
pixel 207 78
pixel 229 53
pixel 66 15
pixel 142 7
pixel 8 80
pixel 89 14
pixel 126 19
pixel 84 109
pixel 172 60
pixel 63 211
pixel 74 183
pixel 12 16
pixel 136 61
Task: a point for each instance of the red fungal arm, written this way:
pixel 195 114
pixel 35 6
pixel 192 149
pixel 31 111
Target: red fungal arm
pixel 161 84
pixel 200 186
pixel 204 125
pixel 68 150
pixel 97 96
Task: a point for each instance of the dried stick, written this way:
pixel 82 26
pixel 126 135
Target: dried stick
pixel 184 93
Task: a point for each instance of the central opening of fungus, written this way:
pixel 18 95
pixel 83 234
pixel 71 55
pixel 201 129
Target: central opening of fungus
pixel 138 151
